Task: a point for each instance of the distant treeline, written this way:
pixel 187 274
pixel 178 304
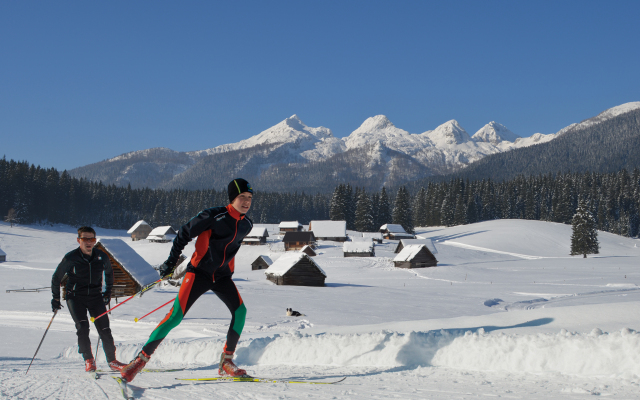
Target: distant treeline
pixel 39 195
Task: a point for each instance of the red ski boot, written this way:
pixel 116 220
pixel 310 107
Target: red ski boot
pixel 90 365
pixel 116 365
pixel 227 367
pixel 130 371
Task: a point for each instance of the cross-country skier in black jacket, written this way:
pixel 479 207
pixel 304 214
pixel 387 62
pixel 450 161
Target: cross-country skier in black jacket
pixel 220 231
pixel 83 269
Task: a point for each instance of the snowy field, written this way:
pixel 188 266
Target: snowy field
pixel 506 313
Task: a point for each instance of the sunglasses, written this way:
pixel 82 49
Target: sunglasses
pixel 90 240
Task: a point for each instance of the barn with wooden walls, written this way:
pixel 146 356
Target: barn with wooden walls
pixel 296 269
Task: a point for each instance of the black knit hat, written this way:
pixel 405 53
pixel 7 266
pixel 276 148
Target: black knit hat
pixel 238 186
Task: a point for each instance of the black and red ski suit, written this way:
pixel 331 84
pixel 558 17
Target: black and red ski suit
pixel 220 231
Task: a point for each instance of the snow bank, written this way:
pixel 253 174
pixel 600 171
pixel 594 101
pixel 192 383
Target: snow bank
pixel 614 354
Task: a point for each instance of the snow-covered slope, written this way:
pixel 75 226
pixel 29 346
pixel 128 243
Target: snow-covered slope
pixel 506 313
pixel 495 133
pixel 603 116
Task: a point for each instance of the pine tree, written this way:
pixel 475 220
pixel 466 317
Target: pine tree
pixel 584 239
pixel 420 208
pixel 402 214
pixel 384 213
pixel 364 217
pixel 337 207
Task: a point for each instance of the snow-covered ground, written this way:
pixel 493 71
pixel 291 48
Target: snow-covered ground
pixel 507 312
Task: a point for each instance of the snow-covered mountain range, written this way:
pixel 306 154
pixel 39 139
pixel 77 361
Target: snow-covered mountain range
pixel 377 149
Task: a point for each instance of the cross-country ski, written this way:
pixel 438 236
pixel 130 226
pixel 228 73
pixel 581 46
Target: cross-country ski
pixel 257 380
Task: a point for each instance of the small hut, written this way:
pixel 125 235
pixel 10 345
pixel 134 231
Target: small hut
pixel 329 230
pixel 140 230
pixel 297 240
pixel 290 226
pixel 257 236
pixel 359 248
pixel 308 251
pixel 262 262
pixel 3 256
pixel 296 269
pixel 415 256
pixel 162 234
pixel 130 271
pixel 405 242
pixel 395 232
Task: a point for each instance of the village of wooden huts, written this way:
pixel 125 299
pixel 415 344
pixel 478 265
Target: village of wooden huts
pixel 130 271
pixel 297 240
pixel 290 226
pixel 262 262
pixel 308 250
pixel 361 248
pixel 296 269
pixel 415 256
pixel 140 230
pixel 162 234
pixel 257 236
pixel 395 232
pixel 3 256
pixel 405 242
pixel 329 230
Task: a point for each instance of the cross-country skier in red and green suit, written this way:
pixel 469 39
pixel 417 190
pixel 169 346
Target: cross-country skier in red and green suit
pixel 220 231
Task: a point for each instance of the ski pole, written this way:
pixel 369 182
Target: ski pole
pixel 144 289
pixel 45 334
pixel 138 319
pixel 97 347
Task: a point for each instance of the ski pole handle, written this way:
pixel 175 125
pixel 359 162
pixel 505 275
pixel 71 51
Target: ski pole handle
pixel 138 319
pixel 144 289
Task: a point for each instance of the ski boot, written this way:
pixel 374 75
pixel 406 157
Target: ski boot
pixel 130 371
pixel 90 365
pixel 116 365
pixel 228 368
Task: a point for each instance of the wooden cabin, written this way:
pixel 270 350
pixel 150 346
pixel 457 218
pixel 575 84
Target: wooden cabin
pixel 140 230
pixel 257 236
pixel 308 251
pixel 415 256
pixel 297 240
pixel 3 256
pixel 359 248
pixel 290 226
pixel 262 262
pixel 296 269
pixel 405 242
pixel 130 271
pixel 329 230
pixel 395 232
pixel 162 234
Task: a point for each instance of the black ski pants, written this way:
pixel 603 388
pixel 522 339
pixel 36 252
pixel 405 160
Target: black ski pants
pixel 78 307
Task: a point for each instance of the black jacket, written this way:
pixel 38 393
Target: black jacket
pixel 220 231
pixel 84 276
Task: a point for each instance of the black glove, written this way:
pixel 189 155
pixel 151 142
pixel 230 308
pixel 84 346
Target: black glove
pixel 167 268
pixel 106 297
pixel 55 305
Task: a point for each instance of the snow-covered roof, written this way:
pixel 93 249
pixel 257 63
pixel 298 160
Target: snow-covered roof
pixel 289 224
pixel 136 225
pixel 409 252
pixel 393 228
pixel 162 230
pixel 266 259
pixel 283 264
pixel 358 247
pixel 372 235
pixel 360 239
pixel 332 229
pixel 2 253
pixel 139 269
pixel 400 235
pixel 426 242
pixel 257 232
pixel 248 239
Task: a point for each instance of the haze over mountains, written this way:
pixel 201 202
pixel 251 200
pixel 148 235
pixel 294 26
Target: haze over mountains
pixel 293 156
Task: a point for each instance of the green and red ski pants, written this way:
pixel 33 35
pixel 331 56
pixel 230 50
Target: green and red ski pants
pixel 193 286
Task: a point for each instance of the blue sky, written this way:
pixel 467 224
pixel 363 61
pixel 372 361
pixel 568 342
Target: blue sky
pixel 85 81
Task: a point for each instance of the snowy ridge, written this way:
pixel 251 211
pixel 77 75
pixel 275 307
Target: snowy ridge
pixel 495 133
pixel 595 353
pixel 603 116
